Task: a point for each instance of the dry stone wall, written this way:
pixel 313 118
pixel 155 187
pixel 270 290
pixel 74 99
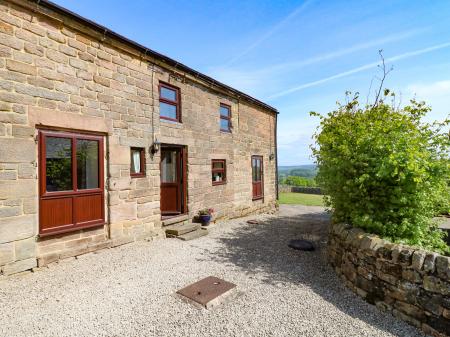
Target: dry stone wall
pixel 412 284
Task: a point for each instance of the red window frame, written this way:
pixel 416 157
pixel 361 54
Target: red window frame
pixel 226 118
pixel 219 170
pixel 176 103
pixel 142 162
pixel 71 195
pixel 257 185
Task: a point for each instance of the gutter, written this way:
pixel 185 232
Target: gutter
pixel 147 51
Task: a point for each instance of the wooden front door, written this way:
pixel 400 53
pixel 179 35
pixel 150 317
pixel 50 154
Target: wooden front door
pixel 173 180
pixel 257 177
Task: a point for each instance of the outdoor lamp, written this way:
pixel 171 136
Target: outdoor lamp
pixel 155 146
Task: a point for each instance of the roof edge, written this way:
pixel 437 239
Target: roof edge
pixel 147 51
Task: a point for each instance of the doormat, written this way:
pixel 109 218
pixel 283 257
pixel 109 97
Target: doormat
pixel 208 292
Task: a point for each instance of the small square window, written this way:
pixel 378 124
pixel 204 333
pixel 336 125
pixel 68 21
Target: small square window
pixel 169 102
pixel 219 171
pixel 137 168
pixel 225 118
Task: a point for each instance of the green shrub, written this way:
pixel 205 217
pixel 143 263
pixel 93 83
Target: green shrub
pixel 385 170
pixel 298 181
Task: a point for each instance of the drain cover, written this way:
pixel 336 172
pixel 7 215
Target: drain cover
pixel 301 245
pixel 207 292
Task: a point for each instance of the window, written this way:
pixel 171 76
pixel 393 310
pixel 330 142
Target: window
pixel 71 187
pixel 225 118
pixel 257 177
pixel 169 102
pixel 137 168
pixel 219 171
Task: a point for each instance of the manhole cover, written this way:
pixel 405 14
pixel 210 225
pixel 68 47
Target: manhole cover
pixel 208 292
pixel 301 245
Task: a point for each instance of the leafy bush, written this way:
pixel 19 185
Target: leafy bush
pixel 385 170
pixel 298 181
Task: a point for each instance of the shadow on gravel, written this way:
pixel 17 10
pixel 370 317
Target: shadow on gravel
pixel 262 249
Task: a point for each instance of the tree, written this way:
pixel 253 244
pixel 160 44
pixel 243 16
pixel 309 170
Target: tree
pixel 385 170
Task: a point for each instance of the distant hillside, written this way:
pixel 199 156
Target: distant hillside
pixel 307 171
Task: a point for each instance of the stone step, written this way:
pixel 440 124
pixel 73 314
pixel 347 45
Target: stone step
pixel 177 230
pixel 193 235
pixel 175 220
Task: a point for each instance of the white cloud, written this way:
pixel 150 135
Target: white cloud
pixel 430 90
pixel 436 94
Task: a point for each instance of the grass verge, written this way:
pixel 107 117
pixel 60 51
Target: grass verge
pixel 301 199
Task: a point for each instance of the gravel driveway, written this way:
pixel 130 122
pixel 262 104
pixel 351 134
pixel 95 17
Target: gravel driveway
pixel 128 291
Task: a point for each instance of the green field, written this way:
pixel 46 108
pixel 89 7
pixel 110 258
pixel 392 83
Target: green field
pixel 301 199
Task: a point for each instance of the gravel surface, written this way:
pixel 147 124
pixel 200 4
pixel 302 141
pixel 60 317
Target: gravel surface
pixel 128 291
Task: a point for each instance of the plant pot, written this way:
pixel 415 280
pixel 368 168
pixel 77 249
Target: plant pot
pixel 205 219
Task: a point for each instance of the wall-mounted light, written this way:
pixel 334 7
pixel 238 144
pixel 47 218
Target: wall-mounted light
pixel 155 146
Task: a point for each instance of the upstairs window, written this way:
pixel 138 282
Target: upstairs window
pixel 169 102
pixel 137 168
pixel 225 118
pixel 219 171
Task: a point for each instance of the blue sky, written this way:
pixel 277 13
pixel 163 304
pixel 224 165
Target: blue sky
pixel 295 55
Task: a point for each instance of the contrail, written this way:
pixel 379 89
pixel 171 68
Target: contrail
pixel 360 69
pixel 279 25
pixel 288 66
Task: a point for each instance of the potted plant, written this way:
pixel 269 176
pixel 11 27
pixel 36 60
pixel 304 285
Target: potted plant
pixel 205 216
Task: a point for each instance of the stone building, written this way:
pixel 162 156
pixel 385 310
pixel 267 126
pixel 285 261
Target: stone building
pixel 103 141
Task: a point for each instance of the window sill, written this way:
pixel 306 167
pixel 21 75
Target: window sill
pixel 70 229
pixel 258 198
pixel 171 122
pixel 137 175
pixel 226 131
pixel 215 183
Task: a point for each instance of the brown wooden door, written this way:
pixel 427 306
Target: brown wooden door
pixel 257 177
pixel 173 175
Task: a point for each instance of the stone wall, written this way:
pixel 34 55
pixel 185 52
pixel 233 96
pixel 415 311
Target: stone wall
pixel 412 284
pixel 56 73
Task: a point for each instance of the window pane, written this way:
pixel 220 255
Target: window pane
pixel 136 161
pixel 258 170
pixel 218 177
pixel 87 164
pixel 224 111
pixel 168 167
pixel 58 164
pixel 224 124
pixel 218 165
pixel 167 93
pixel 168 110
